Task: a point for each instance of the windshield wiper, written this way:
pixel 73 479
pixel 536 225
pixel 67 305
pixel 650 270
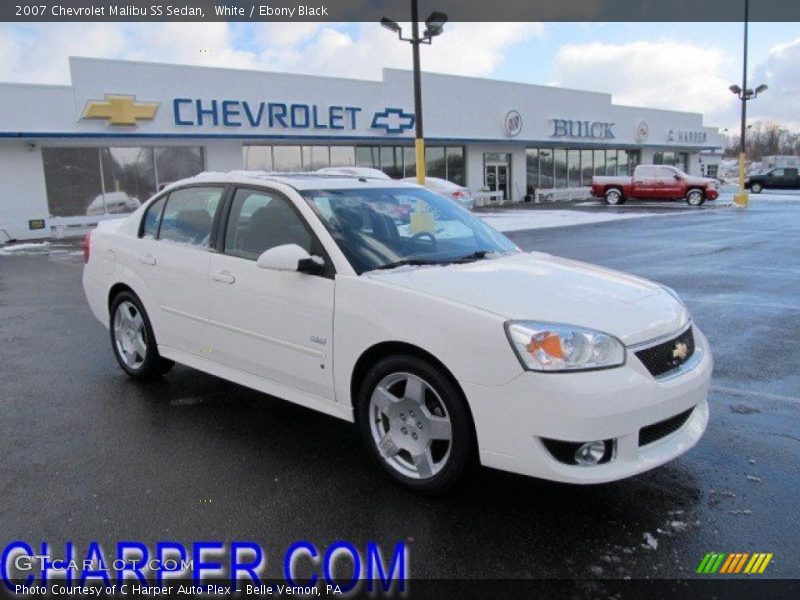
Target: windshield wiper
pixel 477 255
pixel 414 262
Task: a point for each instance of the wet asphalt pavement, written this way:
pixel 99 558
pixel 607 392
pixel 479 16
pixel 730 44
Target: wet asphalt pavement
pixel 89 455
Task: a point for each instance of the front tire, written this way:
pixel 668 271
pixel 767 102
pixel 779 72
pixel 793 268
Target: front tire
pixel 133 340
pixel 614 197
pixel 756 188
pixel 415 424
pixel 695 198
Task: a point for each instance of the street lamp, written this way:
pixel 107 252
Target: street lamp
pixel 434 26
pixel 744 94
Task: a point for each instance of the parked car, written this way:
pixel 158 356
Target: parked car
pixel 112 203
pixel 439 338
pixel 448 189
pixel 367 172
pixel 782 178
pixel 656 182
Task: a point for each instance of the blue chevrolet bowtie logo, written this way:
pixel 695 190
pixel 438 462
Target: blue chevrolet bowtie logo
pixel 393 120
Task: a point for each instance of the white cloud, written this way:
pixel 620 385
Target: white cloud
pixel 781 72
pixel 38 53
pixel 662 74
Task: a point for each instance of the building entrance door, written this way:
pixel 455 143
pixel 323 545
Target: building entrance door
pixel 497 173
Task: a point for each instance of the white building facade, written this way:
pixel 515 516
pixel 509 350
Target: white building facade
pixel 73 155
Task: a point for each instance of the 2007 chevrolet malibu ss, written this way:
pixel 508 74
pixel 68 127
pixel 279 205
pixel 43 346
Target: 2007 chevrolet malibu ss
pixel 385 304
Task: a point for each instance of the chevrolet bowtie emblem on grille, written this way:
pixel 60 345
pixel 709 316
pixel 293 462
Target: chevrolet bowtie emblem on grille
pixel 681 351
pixel 120 110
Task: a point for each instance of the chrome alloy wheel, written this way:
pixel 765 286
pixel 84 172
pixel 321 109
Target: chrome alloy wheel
pixel 129 335
pixel 410 425
pixel 695 198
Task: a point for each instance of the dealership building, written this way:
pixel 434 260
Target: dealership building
pixel 71 155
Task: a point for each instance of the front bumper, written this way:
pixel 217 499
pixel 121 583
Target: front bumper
pixel 712 194
pixel 511 420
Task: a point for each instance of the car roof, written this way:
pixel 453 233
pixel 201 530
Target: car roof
pixel 298 181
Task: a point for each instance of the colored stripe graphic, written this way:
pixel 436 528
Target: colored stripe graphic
pixel 711 562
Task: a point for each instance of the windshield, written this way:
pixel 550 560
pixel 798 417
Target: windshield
pixel 388 227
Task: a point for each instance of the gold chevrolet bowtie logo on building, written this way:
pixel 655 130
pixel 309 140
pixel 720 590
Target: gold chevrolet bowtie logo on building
pixel 120 110
pixel 680 351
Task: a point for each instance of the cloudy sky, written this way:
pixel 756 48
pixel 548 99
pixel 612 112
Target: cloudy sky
pixel 684 66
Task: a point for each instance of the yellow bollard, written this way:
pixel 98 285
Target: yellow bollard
pixel 742 198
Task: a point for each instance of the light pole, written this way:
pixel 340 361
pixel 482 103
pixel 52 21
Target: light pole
pixel 744 93
pixel 434 25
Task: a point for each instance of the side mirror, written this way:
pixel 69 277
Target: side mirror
pixel 678 177
pixel 290 257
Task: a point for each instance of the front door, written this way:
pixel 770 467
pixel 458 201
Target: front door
pixel 272 324
pixel 668 184
pixel 496 174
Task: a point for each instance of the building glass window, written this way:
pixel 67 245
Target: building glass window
pixel 587 167
pixel 546 169
pixel 611 162
pixel 600 162
pixel 409 161
pixel 531 170
pixel 573 168
pixel 129 177
pixel 177 162
pixel 435 165
pixel 560 163
pixel 110 180
pixel 368 156
pixel 456 171
pixel 258 158
pixel 287 158
pixel 622 163
pixel 343 156
pixel 392 161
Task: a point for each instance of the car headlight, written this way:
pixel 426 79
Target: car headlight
pixel 558 347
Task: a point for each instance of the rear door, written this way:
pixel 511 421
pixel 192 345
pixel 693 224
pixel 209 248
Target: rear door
pixel 272 324
pixel 644 182
pixel 172 262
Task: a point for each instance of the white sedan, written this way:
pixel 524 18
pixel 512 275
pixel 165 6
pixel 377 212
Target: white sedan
pixel 442 340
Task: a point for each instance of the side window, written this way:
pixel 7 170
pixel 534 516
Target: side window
pixel 188 215
pixel 645 172
pixel 777 173
pixel 152 219
pixel 260 220
pixel 665 173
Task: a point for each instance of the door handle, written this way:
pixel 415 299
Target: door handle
pixel 147 259
pixel 223 277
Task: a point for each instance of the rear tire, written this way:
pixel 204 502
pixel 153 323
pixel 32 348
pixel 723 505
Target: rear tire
pixel 695 197
pixel 133 340
pixel 416 425
pixel 756 188
pixel 614 197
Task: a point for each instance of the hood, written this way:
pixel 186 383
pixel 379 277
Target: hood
pixel 700 180
pixel 542 287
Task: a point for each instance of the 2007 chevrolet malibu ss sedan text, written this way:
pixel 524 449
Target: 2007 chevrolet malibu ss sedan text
pixel 383 303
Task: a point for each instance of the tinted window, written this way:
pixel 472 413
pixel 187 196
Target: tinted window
pixel 188 215
pixel 260 220
pixel 777 173
pixel 152 218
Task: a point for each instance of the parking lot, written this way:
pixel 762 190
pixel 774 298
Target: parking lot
pixel 89 455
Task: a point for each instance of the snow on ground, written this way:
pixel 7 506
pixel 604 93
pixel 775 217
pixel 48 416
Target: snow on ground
pixel 519 220
pixel 32 248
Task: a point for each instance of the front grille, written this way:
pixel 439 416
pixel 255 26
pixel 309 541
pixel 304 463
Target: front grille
pixel 656 431
pixel 668 356
pixel 564 452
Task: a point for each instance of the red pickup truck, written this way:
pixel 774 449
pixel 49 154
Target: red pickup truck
pixel 655 182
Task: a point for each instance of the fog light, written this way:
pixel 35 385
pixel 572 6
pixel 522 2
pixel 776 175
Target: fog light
pixel 590 453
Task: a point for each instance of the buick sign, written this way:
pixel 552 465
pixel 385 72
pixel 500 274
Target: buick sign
pixel 590 130
pixel 513 123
